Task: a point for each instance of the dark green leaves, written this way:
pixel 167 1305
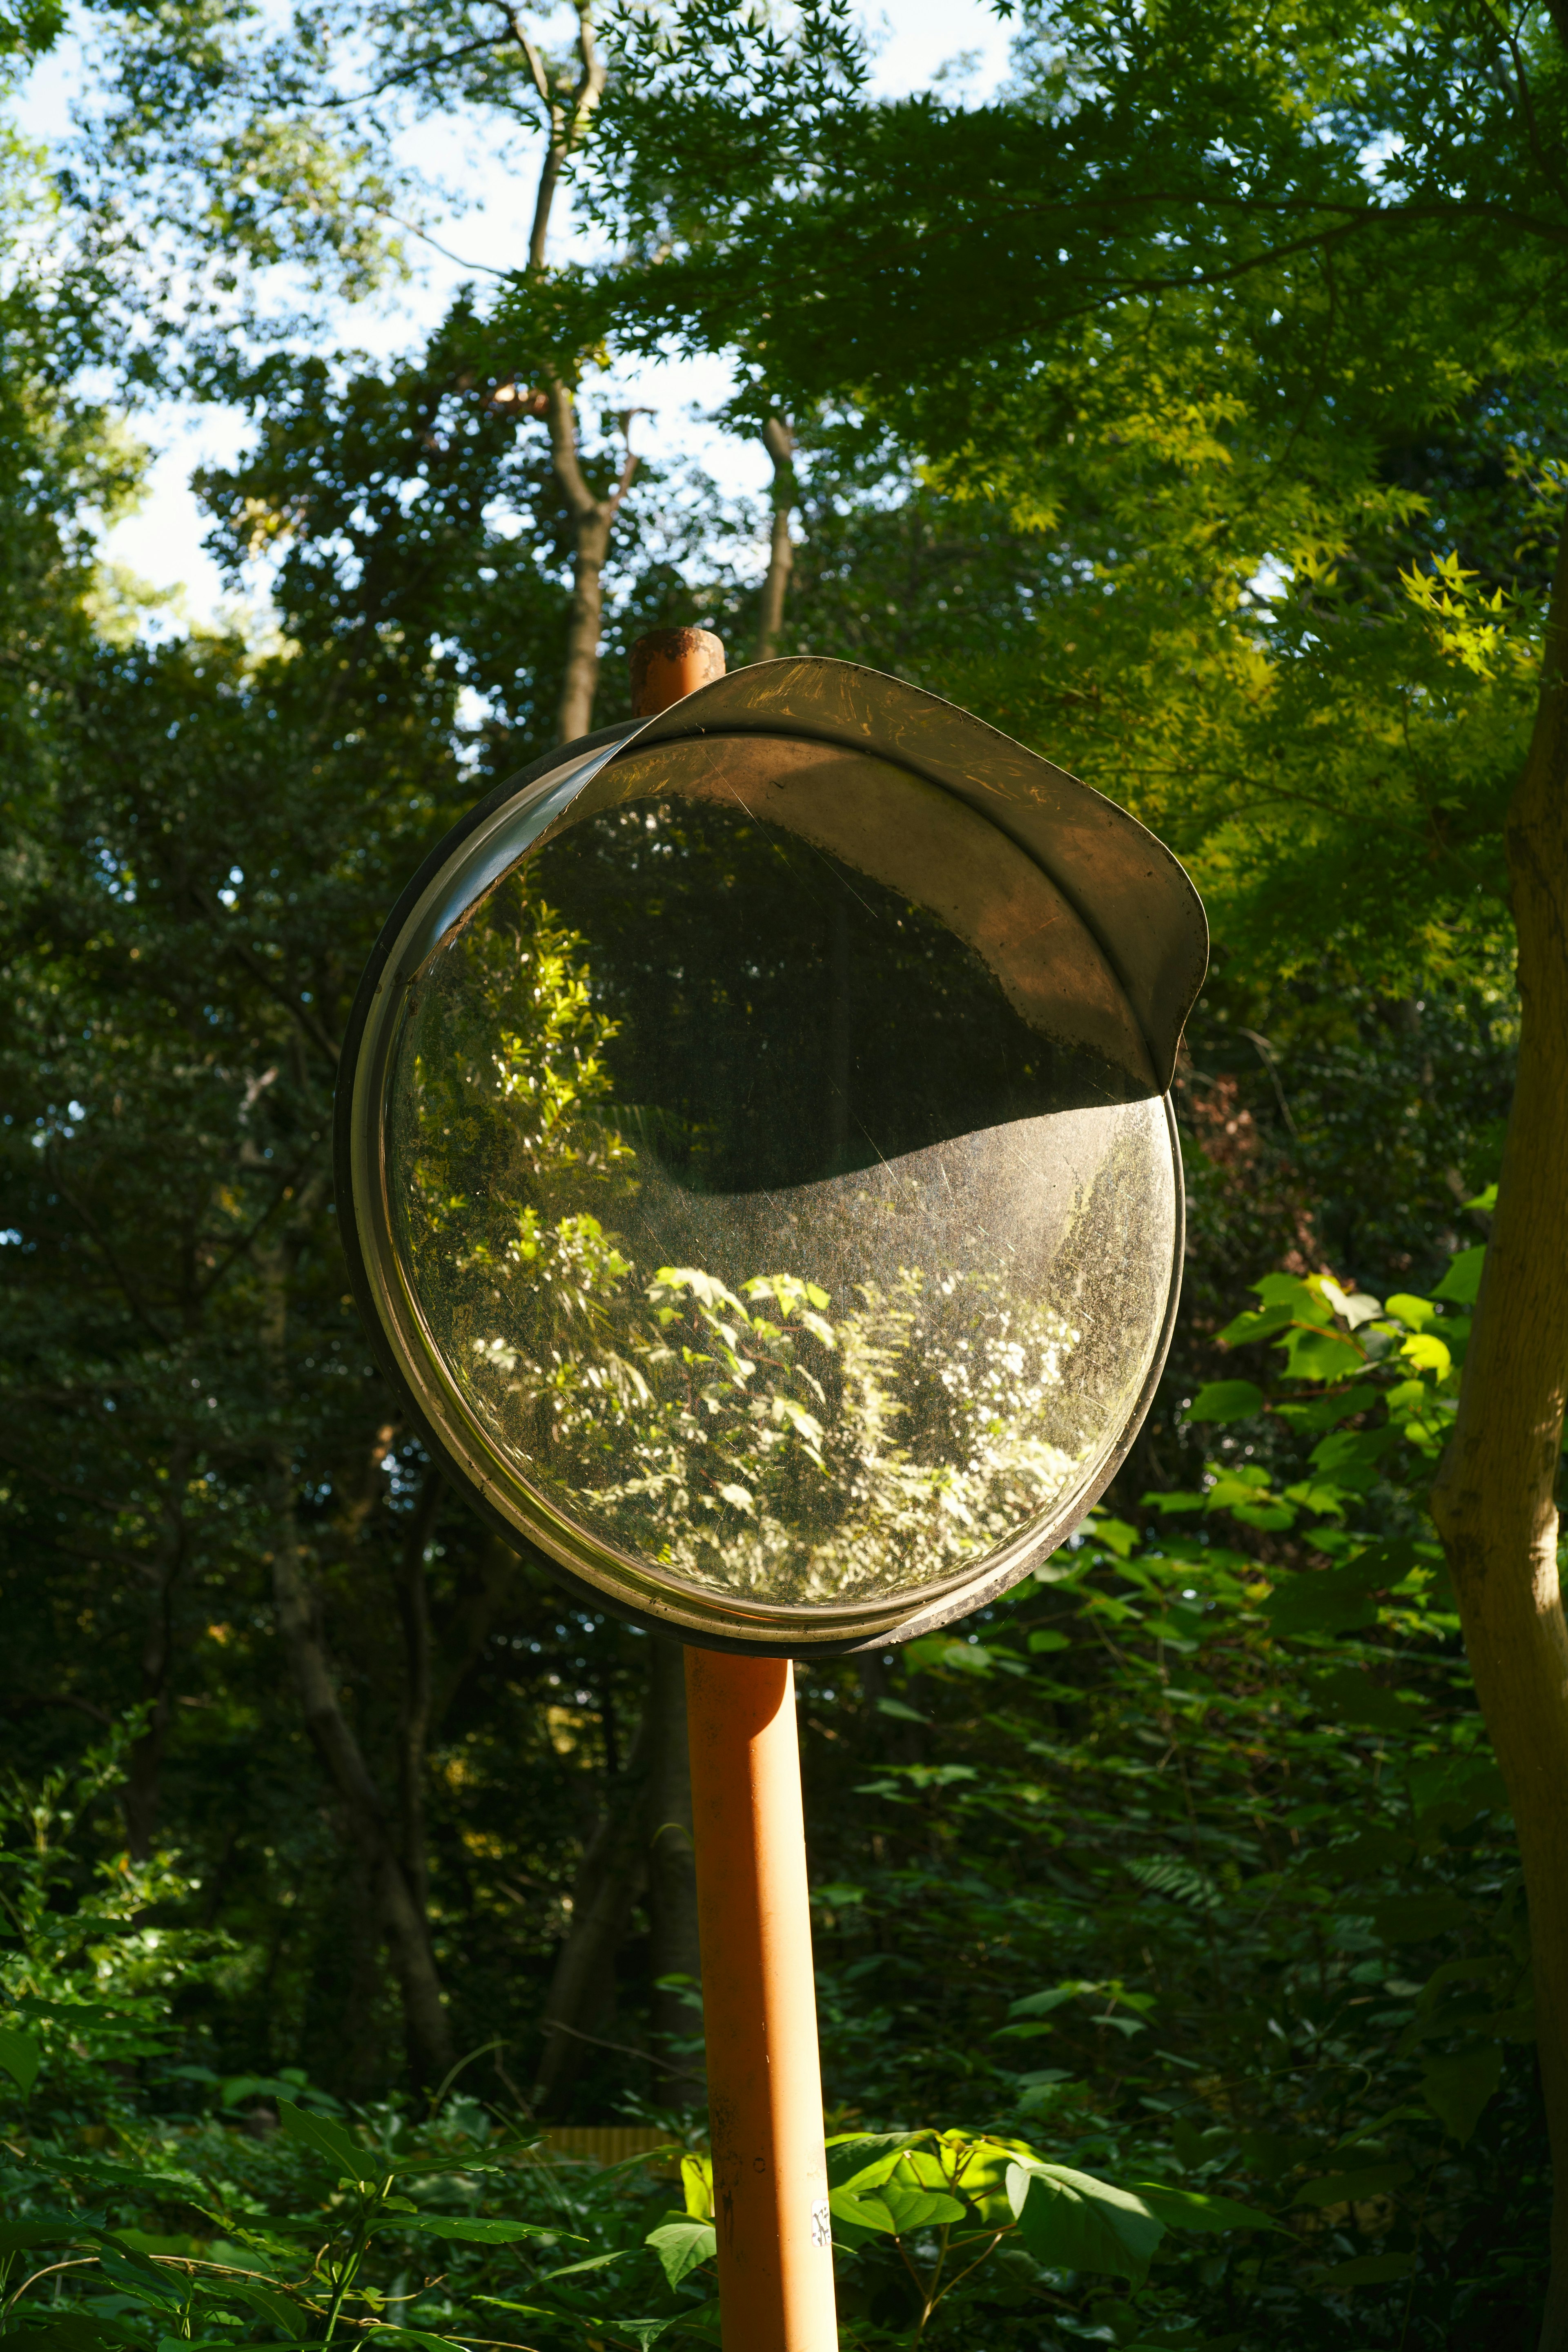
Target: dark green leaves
pixel 1070 2220
pixel 1191 2209
pixel 1462 1283
pixel 21 2055
pixel 1352 2188
pixel 333 2146
pixel 470 2231
pixel 1458 2088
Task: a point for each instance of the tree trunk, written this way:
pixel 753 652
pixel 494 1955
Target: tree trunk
pixel 592 520
pixel 143 1779
pixel 414 1714
pixel 608 1884
pixel 1495 1497
pixel 297 1612
pixel 780 444
pixel 672 1880
pixel 402 1916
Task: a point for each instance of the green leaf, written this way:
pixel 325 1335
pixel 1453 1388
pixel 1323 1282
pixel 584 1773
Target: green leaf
pixel 1321 1356
pixel 862 2209
pixel 1462 1284
pixel 1416 1314
pixel 683 2246
pixel 1072 2221
pixel 1321 1601
pixel 1354 1698
pixel 1368 2270
pixel 1303 1299
pixel 479 2233
pixel 1226 1401
pixel 15 2235
pixel 900 1712
pixel 859 2159
pixel 1457 2089
pixel 575 2269
pixel 1352 2188
pixel 1354 1308
pixel 1255 1325
pixel 918 2209
pixel 1040 2004
pixel 75 2331
pixel 415 2336
pixel 21 2056
pixel 271 2303
pixel 1418 1919
pixel 1189 2209
pixel 1461 1785
pixel 332 2142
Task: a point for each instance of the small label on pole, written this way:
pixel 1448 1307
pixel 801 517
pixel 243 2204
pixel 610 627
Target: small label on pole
pixel 821 2224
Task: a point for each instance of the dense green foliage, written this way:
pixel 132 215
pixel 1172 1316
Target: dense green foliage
pixel 1185 1871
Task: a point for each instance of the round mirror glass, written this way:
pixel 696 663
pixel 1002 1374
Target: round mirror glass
pixel 776 1188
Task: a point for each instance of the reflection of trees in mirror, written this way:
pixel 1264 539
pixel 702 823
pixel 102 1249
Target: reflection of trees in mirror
pixel 791 1017
pixel 731 1418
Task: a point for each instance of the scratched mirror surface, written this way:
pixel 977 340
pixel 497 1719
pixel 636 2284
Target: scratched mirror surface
pixel 761 1218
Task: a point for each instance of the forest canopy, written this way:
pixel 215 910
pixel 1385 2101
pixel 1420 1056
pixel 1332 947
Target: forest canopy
pixel 1191 1925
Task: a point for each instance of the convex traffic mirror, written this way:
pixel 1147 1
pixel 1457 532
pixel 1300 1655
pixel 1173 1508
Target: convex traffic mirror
pixel 756 1160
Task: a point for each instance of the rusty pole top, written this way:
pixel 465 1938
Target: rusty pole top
pixel 669 663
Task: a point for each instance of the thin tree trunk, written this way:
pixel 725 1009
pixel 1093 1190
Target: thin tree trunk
pixel 414 1714
pixel 402 1916
pixel 297 1613
pixel 592 520
pixel 779 441
pixel 143 1779
pixel 611 1878
pixel 568 110
pixel 1495 1497
pixel 672 1877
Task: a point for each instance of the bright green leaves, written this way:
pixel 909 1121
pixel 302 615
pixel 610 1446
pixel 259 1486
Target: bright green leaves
pixel 1359 1353
pixel 683 2246
pixel 1226 1401
pixel 951 2199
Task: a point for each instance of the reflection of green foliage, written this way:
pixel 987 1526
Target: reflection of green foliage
pixel 780 1453
pixel 498 1066
pixel 737 1435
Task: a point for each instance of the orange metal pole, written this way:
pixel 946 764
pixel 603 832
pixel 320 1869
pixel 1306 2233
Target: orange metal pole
pixel 759 2000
